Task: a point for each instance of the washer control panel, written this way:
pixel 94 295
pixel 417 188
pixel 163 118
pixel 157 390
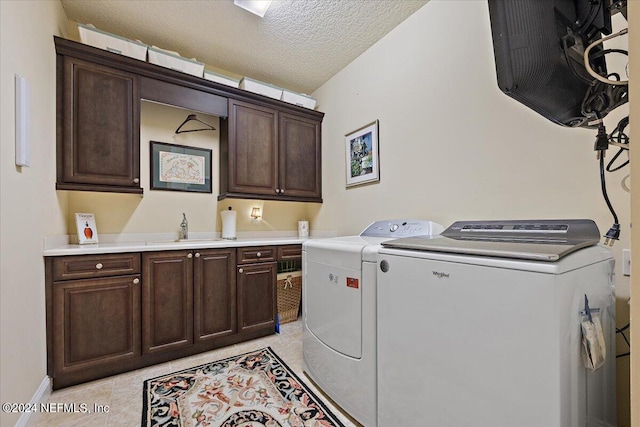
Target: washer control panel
pixel 564 231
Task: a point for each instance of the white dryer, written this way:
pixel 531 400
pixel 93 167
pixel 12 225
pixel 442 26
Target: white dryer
pixel 339 312
pixel 481 326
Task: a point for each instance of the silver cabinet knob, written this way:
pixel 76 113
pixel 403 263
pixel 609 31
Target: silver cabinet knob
pixel 277 191
pixel 189 255
pixel 197 254
pixel 136 281
pixel 282 191
pixel 99 266
pixel 258 254
pixel 240 270
pixel 136 180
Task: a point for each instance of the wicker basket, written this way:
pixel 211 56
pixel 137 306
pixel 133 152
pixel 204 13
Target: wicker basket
pixel 289 295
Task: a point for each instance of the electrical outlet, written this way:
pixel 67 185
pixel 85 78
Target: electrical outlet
pixel 626 262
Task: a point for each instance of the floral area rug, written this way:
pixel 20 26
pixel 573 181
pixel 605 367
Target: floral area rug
pixel 254 389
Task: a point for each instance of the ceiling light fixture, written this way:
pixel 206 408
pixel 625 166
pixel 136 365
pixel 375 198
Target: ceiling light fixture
pixel 258 7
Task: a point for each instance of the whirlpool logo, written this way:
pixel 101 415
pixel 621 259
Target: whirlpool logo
pixel 441 275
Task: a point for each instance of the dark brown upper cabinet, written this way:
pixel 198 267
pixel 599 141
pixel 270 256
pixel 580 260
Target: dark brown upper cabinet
pixel 99 121
pixel 299 154
pixel 249 155
pixel 269 149
pixel 269 154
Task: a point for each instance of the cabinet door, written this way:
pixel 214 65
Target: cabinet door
pixel 256 296
pixel 252 149
pixel 96 322
pixel 300 157
pixel 101 136
pixel 167 300
pixel 214 294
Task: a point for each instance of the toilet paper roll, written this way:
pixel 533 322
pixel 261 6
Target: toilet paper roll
pixel 303 228
pixel 228 224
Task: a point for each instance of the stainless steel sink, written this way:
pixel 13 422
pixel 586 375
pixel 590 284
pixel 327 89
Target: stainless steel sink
pixel 181 241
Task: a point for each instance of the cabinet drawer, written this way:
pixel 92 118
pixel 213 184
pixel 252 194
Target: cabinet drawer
pixel 256 254
pixel 88 266
pixel 289 252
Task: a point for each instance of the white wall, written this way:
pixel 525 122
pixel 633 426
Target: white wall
pixel 452 146
pixel 29 205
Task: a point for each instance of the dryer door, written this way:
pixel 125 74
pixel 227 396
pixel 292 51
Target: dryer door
pixel 333 305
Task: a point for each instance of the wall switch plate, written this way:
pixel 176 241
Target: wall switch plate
pixel 626 262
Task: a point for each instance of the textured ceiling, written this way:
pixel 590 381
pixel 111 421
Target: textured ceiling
pixel 299 44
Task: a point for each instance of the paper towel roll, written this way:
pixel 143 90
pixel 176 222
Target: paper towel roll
pixel 228 224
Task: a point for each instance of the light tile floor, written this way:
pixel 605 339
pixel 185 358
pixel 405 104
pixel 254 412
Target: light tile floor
pixel 122 394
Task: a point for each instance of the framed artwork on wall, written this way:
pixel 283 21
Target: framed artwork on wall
pixel 362 155
pixel 180 168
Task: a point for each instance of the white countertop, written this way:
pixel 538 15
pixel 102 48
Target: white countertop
pixel 168 245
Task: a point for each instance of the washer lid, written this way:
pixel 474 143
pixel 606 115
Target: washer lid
pixel 541 240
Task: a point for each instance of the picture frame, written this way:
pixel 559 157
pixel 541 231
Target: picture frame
pixel 362 155
pixel 86 227
pixel 180 167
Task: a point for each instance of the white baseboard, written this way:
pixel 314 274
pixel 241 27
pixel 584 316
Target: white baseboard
pixel 41 395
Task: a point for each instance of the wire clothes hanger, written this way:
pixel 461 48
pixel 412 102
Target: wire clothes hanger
pixel 192 117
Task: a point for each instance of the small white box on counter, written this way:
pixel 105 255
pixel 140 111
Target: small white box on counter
pixel 219 78
pixel 101 39
pixel 298 99
pixel 262 88
pixel 174 61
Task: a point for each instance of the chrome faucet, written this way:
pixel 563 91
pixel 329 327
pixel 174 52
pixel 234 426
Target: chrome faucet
pixel 184 227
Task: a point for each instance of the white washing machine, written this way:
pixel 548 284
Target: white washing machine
pixel 339 312
pixel 481 327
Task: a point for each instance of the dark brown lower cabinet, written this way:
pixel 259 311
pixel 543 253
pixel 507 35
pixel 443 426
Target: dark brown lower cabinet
pixel 167 301
pixel 257 296
pixel 112 313
pixel 188 296
pixel 93 316
pixel 215 313
pixel 96 322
